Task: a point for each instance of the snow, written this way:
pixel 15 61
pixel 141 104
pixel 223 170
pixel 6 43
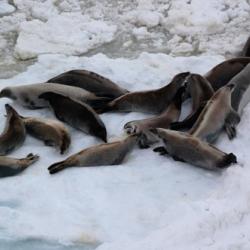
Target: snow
pixel 149 202
pixel 139 204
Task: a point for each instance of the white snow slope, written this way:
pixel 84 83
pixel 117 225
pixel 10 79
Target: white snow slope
pixel 149 202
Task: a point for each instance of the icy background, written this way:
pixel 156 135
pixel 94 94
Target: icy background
pixel 149 202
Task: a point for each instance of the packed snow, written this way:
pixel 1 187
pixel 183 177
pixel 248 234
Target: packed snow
pixel 149 202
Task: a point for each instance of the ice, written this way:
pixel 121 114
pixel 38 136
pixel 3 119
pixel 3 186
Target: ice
pixel 6 8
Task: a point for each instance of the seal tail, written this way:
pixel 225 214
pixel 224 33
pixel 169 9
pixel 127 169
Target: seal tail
pixel 66 140
pixel 100 103
pixel 58 166
pixel 227 160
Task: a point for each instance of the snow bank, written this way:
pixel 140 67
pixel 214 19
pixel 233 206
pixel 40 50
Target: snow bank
pixel 149 202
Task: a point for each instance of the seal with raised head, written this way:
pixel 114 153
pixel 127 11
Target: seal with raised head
pixel 200 91
pixel 151 101
pixel 246 49
pixel 76 114
pixel 112 153
pixel 90 81
pixel 14 133
pixel 216 116
pixel 27 95
pixel 171 114
pixel 241 93
pixel 222 73
pixel 52 132
pixel 12 166
pixel 187 148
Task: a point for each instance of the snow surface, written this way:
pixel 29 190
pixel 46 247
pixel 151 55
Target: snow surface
pixel 149 202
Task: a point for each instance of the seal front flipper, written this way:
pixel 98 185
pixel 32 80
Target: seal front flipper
pixel 188 122
pixel 161 150
pixel 231 122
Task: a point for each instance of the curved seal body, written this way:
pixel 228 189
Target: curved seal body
pixel 76 114
pixel 101 155
pixel 11 166
pixel 27 95
pixel 186 148
pixel 152 101
pixel 200 91
pixel 222 73
pixel 14 133
pixel 241 93
pixel 217 115
pixel 171 114
pixel 90 81
pixel 52 132
pixel 246 49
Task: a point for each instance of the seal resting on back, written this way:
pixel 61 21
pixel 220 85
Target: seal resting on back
pixel 14 133
pixel 12 166
pixel 151 101
pixel 27 95
pixel 76 114
pixel 187 148
pixel 90 81
pixel 112 153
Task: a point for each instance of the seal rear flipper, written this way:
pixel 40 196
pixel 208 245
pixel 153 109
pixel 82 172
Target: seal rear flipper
pixel 56 167
pixel 99 104
pixel 246 49
pixel 231 122
pixel 28 160
pixel 66 140
pixel 227 160
pixel 161 150
pixel 189 121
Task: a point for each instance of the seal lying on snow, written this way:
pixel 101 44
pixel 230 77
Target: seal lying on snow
pixel 216 116
pixel 76 114
pixel 241 93
pixel 27 95
pixel 187 148
pixel 151 101
pixel 52 132
pixel 222 73
pixel 171 114
pixel 14 133
pixel 101 155
pixel 90 81
pixel 200 91
pixel 11 166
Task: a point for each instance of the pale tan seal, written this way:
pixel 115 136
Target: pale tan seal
pixel 101 155
pixel 187 148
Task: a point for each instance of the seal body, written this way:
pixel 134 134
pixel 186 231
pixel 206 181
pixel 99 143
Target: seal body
pixel 200 91
pixel 246 49
pixel 171 114
pixel 76 114
pixel 222 73
pixel 152 101
pixel 101 155
pixel 187 148
pixel 52 132
pixel 14 133
pixel 90 81
pixel 27 95
pixel 12 166
pixel 241 93
pixel 217 115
